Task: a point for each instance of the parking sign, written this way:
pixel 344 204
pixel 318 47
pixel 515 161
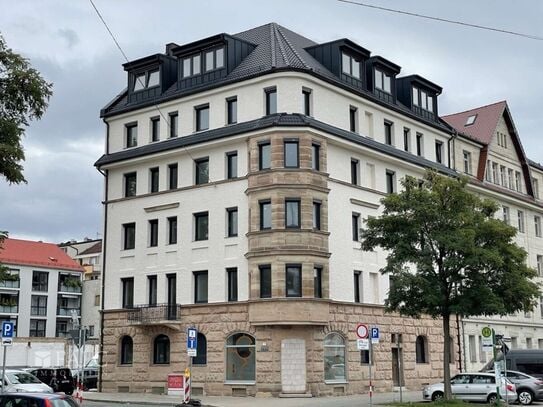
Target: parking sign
pixel 7 329
pixel 374 334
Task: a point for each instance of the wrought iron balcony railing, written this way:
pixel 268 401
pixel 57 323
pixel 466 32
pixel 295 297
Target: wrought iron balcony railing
pixel 148 314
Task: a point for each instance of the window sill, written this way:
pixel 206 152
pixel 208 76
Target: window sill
pixel 128 253
pixel 240 383
pixel 336 382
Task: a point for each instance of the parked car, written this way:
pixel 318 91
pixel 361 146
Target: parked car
pixel 90 379
pixel 21 381
pixel 59 378
pixel 529 388
pixel 473 387
pixel 529 361
pixel 36 400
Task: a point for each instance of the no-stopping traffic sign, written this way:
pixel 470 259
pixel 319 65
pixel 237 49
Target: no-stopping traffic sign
pixel 362 331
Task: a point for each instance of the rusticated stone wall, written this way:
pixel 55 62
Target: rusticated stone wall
pixel 218 321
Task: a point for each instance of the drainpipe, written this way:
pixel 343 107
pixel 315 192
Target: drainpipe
pixel 452 156
pixel 459 343
pixel 103 274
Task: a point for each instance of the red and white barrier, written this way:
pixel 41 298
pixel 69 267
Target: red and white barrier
pixel 78 394
pixel 186 395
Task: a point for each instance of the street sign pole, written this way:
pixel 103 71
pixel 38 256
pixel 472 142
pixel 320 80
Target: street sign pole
pixel 371 361
pixel 4 367
pixel 496 368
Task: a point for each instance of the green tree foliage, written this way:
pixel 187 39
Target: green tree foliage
pixel 3 269
pixel 447 254
pixel 24 95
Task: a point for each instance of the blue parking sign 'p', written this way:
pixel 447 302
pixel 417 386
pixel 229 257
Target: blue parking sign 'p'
pixel 7 329
pixel 374 334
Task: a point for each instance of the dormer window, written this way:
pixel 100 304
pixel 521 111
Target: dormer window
pixel 146 80
pixel 423 100
pixel 350 65
pixel 191 65
pixel 214 59
pixel 382 81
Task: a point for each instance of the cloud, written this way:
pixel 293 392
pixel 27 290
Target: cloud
pixel 69 35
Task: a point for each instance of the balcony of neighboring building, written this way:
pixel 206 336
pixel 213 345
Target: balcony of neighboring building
pixel 10 281
pixel 69 283
pixel 68 307
pixel 155 314
pixel 9 302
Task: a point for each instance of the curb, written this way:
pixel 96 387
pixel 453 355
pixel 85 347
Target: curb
pixel 142 402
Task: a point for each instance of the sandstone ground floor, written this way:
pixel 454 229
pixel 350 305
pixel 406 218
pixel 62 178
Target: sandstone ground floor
pixel 261 348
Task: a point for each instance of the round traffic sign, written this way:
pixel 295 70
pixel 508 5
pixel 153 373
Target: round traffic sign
pixel 486 332
pixel 362 331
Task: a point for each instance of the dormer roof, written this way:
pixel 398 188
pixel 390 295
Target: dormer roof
pixel 379 61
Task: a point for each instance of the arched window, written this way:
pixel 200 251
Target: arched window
pixel 201 350
pixel 161 350
pixel 334 358
pixel 126 350
pixel 421 349
pixel 240 358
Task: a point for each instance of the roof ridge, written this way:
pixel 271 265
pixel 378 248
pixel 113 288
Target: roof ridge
pixel 475 108
pixel 278 34
pixel 272 46
pixel 292 48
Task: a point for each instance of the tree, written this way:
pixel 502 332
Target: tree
pixel 3 269
pixel 447 255
pixel 24 95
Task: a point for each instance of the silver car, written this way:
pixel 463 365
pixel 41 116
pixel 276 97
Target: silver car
pixel 529 388
pixel 21 381
pixel 473 387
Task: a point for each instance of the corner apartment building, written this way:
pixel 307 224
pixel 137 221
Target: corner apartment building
pixel 88 253
pixel 239 170
pixel 42 291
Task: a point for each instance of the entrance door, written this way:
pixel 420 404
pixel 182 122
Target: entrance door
pixel 397 367
pixel 293 376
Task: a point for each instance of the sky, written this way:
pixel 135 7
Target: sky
pixel 68 44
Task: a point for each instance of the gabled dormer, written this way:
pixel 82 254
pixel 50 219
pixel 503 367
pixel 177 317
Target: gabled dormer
pixel 344 59
pixel 149 77
pixel 209 60
pixel 419 95
pixel 381 78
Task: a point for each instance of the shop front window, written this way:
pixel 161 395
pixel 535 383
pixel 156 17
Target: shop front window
pixel 240 358
pixel 334 358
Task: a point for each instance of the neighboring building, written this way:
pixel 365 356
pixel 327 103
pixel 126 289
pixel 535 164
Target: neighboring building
pixel 88 253
pixel 488 148
pixel 44 290
pixel 239 170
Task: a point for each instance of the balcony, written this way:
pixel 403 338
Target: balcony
pixel 289 311
pixel 65 288
pixel 67 311
pixel 9 309
pixel 155 314
pixel 10 284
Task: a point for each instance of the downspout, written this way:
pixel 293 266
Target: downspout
pixel 452 153
pixel 460 352
pixel 103 276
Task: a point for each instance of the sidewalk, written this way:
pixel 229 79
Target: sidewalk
pixel 214 401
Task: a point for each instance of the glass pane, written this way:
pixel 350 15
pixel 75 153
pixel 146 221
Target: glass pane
pixel 232 165
pixel 186 68
pixel 139 82
pixel 423 99
pixel 291 154
pixel 294 282
pixel 430 103
pixel 334 340
pixel 378 79
pixel 219 58
pixel 201 287
pixel 232 111
pixel 346 64
pixel 201 227
pixel 265 156
pixel 271 102
pixel 202 171
pixel 209 60
pixel 416 96
pixel 292 209
pixel 232 223
pixel 265 282
pixel 196 64
pixel 334 363
pixel 315 157
pixel 356 69
pixel 265 213
pixel 386 83
pixel 153 79
pixel 240 358
pixel 202 120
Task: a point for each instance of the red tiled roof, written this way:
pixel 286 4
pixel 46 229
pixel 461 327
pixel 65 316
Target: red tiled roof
pixel 29 253
pixel 485 123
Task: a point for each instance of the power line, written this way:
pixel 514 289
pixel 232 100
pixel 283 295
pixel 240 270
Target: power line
pixel 138 78
pixel 444 20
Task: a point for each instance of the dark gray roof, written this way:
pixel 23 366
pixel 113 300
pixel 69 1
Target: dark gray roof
pixel 277 49
pixel 277 120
